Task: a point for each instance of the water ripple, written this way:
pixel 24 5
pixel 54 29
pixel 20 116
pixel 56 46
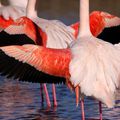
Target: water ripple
pixel 22 101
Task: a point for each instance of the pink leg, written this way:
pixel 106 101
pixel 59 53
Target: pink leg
pixel 82 109
pixel 100 110
pixel 54 95
pixel 47 95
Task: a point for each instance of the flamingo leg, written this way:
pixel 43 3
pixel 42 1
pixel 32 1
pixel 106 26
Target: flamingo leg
pixel 77 93
pixel 41 93
pixel 54 95
pixel 82 109
pixel 100 110
pixel 47 95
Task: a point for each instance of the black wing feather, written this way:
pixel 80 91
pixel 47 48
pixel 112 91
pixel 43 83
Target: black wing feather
pixel 15 69
pixel 111 34
pixel 17 39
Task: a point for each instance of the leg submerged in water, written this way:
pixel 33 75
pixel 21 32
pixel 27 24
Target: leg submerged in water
pixel 47 95
pixel 82 109
pixel 100 110
pixel 41 94
pixel 54 95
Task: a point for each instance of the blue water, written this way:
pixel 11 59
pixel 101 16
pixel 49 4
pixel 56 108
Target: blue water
pixel 22 101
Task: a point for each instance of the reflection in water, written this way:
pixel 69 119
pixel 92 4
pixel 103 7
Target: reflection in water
pixel 12 96
pixel 21 101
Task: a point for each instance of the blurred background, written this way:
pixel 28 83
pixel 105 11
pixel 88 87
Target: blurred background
pixel 67 10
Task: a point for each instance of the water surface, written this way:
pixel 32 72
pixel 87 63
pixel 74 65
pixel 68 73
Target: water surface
pixel 22 101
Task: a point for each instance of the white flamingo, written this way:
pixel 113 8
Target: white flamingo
pixel 95 64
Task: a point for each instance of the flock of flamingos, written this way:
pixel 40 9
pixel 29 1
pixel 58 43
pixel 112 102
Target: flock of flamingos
pixel 85 55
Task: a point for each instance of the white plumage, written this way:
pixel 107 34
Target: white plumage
pixel 14 10
pixel 95 64
pixel 95 67
pixel 58 34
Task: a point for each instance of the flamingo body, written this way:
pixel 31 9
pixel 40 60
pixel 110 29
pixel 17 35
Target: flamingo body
pixel 95 72
pixel 95 64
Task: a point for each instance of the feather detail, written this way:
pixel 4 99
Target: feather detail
pixel 95 67
pixel 42 59
pixel 58 34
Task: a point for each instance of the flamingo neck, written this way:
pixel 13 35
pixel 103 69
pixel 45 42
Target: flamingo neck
pixel 0 4
pixel 31 12
pixel 84 18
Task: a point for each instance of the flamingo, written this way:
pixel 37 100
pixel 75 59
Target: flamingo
pixel 23 51
pixel 95 64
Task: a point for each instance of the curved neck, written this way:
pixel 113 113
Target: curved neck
pixel 31 12
pixel 84 18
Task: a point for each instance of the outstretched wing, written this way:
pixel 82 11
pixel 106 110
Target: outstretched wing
pixel 34 63
pixel 19 32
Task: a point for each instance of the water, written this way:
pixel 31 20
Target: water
pixel 22 101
